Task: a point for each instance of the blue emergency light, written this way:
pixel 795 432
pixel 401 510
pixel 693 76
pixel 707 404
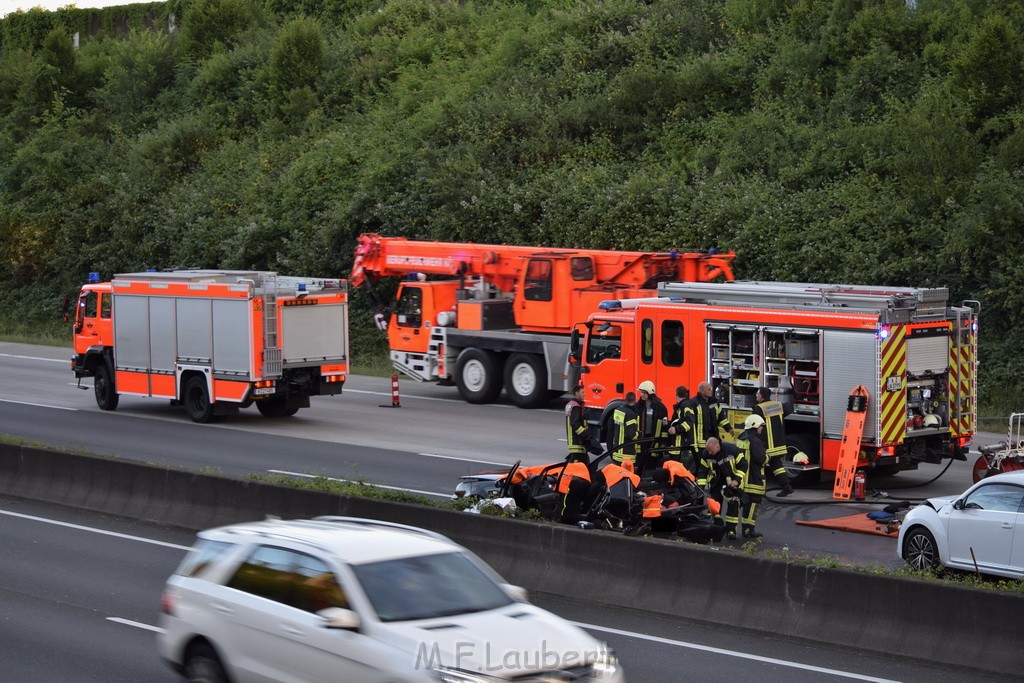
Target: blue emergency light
pixel 94 277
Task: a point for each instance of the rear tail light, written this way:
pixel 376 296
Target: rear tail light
pixel 167 603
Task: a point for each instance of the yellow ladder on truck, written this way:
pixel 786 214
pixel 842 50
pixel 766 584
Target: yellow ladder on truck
pixel 849 449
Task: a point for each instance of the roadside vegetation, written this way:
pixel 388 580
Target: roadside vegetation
pixel 863 141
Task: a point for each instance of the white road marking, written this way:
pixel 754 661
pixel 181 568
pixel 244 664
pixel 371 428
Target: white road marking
pixel 452 457
pixel 65 361
pixel 733 653
pixel 349 481
pixel 137 624
pixel 94 530
pixel 37 405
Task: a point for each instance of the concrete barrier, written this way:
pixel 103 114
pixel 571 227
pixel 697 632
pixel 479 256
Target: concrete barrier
pixel 948 625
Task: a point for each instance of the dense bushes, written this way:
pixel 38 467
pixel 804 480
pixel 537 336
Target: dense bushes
pixel 858 140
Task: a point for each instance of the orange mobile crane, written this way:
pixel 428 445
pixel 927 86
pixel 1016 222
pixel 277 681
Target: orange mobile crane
pixel 503 314
pixel 811 344
pixel 213 340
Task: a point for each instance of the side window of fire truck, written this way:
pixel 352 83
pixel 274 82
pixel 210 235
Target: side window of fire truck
pixel 409 312
pixel 647 342
pixel 538 280
pixel 604 344
pixel 88 304
pixel 105 306
pixel 582 268
pixel 672 343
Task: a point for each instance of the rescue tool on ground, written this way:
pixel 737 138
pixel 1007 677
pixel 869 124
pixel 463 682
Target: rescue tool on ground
pixel 1004 456
pixel 213 340
pixel 812 344
pixel 502 315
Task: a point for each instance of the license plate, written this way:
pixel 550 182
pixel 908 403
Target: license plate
pixel 264 391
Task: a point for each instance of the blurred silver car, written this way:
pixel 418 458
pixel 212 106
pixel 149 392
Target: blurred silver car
pixel 345 599
pixel 981 530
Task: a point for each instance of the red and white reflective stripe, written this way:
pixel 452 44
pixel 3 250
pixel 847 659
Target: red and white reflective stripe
pixel 394 391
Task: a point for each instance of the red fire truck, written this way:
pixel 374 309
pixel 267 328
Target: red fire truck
pixel 213 340
pixel 812 344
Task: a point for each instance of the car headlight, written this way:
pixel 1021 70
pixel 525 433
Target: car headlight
pixel 606 665
pixel 447 675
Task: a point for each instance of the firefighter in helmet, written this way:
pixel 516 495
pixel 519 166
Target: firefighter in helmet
pixel 653 425
pixel 755 457
pixel 774 436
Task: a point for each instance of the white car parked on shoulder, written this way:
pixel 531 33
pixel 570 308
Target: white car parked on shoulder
pixel 981 529
pixel 346 599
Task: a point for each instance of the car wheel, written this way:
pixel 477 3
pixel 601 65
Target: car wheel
pixel 103 388
pixel 202 665
pixel 526 380
pixel 920 550
pixel 807 444
pixel 197 400
pixel 478 376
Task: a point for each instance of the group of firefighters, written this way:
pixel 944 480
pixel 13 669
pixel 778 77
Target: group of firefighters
pixel 644 440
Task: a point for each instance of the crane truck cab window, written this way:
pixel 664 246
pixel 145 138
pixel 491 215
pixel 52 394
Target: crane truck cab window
pixel 582 268
pixel 409 312
pixel 672 343
pixel 538 280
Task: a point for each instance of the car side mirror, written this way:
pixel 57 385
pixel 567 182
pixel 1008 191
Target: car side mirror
pixel 340 618
pixel 517 593
pixel 958 504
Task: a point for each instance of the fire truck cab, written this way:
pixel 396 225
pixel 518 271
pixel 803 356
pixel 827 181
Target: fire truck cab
pixel 811 344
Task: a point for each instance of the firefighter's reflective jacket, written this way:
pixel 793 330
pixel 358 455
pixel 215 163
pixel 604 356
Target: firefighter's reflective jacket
pixel 754 458
pixel 714 471
pixel 774 434
pixel 625 430
pixel 706 420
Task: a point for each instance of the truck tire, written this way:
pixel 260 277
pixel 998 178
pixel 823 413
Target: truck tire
pixel 805 443
pixel 197 400
pixel 478 375
pixel 526 380
pixel 275 407
pixel 103 388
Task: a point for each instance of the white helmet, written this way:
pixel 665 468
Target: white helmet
pixel 646 385
pixel 753 422
pixel 932 420
pixel 801 458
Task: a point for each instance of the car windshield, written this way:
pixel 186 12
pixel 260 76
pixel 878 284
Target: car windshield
pixel 428 586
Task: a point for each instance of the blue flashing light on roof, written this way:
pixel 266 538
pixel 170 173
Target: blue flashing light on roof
pixel 301 287
pixel 883 333
pixel 610 305
pixel 673 255
pixel 713 250
pixel 94 277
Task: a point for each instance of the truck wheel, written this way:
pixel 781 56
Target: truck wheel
pixel 103 388
pixel 802 443
pixel 197 400
pixel 478 376
pixel 275 407
pixel 526 380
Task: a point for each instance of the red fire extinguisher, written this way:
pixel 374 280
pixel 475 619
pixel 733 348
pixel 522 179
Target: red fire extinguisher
pixel 859 480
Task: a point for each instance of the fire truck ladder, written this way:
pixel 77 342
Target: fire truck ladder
pixel 271 346
pixel 918 304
